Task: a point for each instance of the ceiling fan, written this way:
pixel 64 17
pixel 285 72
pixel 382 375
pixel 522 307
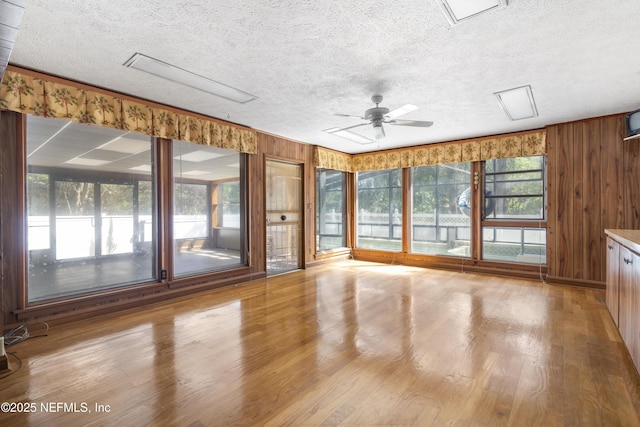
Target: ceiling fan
pixel 377 116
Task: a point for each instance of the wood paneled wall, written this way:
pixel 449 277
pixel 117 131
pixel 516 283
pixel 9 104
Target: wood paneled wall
pixel 276 148
pixel 593 184
pixel 12 246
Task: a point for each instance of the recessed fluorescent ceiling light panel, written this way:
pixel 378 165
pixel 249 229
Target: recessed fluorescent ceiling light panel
pixel 196 173
pixel 187 78
pixel 351 136
pixel 460 10
pixel 198 156
pixel 141 168
pixel 518 103
pixel 126 145
pixel 82 161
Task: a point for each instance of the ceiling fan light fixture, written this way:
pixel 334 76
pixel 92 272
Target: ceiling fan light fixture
pixel 178 75
pixel 518 103
pixel 378 131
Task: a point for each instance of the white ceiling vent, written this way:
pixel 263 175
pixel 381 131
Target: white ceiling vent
pixel 518 103
pixel 460 10
pixel 178 75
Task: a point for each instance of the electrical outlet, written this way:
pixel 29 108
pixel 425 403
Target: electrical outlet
pixel 163 274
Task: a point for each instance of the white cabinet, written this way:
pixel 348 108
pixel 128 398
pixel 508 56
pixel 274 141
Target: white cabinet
pixel 623 287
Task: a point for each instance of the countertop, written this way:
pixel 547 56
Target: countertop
pixel 628 238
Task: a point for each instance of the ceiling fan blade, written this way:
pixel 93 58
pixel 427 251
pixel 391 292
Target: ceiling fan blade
pixel 348 115
pixel 400 111
pixel 416 123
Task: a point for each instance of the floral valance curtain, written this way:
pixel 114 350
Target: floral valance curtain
pixel 329 159
pixel 514 145
pixel 34 94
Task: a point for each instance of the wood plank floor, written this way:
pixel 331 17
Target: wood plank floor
pixel 350 343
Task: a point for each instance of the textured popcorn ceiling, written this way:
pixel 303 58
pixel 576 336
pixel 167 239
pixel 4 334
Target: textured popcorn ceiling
pixel 309 59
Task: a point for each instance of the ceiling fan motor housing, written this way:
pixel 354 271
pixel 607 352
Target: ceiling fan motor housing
pixel 376 114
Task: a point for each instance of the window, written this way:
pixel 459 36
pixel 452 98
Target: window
pixel 330 210
pixel 92 209
pixel 440 222
pixel 513 229
pixel 515 188
pixel 379 210
pixel 90 215
pixel 207 211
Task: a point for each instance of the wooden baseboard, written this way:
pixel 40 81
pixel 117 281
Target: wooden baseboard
pixel 332 256
pixel 576 282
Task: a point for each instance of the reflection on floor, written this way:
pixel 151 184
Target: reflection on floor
pixel 281 264
pixel 69 277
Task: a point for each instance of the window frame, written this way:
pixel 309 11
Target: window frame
pixel 514 224
pixel 39 261
pixel 466 254
pixel 390 187
pixel 344 214
pixel 177 176
pixel 543 195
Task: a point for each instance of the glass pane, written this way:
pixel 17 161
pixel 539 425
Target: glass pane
pixel 440 222
pixel 516 207
pixel 379 210
pixel 515 164
pixel 117 211
pixel 511 185
pixel 206 212
pixel 525 245
pixel 75 220
pixel 330 200
pixel 144 233
pixel 38 207
pixel 88 228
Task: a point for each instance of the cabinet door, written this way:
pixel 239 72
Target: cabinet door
pixel 613 285
pixel 634 313
pixel 630 302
